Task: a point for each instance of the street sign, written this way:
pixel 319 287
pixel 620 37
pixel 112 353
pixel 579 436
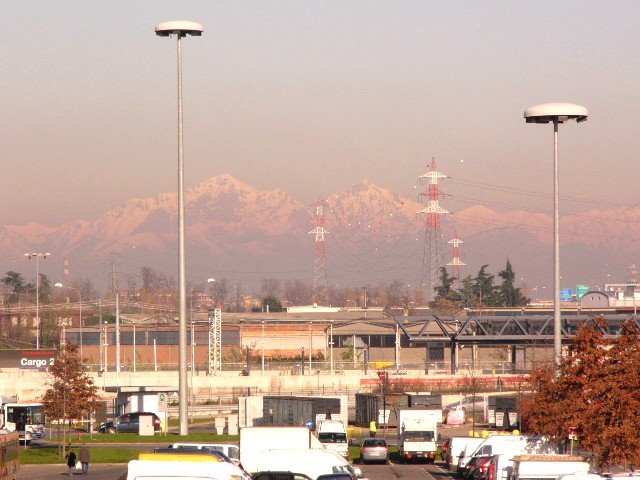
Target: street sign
pixel 28 359
pixel 581 290
pixel 162 402
pixel 566 295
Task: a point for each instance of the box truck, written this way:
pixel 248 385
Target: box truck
pixel 418 433
pixel 547 467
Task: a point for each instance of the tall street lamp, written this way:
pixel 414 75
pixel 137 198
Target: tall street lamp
pixel 556 113
pixel 37 256
pixel 59 285
pixel 181 29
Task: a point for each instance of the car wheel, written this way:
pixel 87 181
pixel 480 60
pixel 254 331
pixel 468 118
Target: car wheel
pixel 111 430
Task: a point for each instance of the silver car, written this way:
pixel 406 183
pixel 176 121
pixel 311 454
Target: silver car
pixel 374 450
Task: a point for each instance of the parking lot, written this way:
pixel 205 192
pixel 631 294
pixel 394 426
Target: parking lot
pixel 119 472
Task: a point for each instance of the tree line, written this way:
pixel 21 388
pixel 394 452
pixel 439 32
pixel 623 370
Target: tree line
pixel 479 291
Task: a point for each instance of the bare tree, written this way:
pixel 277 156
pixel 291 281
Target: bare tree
pixel 270 287
pixel 220 291
pixel 298 292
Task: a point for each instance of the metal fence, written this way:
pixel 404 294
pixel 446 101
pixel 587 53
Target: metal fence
pixel 293 367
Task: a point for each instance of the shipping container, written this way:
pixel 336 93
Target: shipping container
pixel 423 399
pixel 290 411
pixel 503 412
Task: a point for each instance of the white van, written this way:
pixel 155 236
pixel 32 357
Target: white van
pixel 187 467
pixel 505 447
pixel 459 447
pixel 229 449
pixel 333 436
pixel 311 462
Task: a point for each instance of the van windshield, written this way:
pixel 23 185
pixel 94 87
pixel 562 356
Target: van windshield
pixel 331 437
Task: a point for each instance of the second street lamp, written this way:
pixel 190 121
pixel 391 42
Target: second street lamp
pixel 181 29
pixel 37 255
pixel 556 113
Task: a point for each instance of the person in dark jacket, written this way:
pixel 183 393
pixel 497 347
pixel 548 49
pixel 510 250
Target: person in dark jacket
pixel 71 461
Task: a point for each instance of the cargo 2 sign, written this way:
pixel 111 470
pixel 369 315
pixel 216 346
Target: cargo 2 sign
pixel 28 359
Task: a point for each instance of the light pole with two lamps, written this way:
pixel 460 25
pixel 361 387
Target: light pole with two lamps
pixel 181 29
pixel 59 285
pixel 556 113
pixel 37 256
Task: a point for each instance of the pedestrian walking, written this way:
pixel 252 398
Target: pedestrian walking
pixel 372 428
pixel 85 458
pixel 71 461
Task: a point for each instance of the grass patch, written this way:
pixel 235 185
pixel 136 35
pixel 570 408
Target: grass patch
pixel 158 438
pixel 49 455
pixel 174 422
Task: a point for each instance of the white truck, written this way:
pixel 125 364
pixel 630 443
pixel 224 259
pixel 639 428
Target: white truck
pixel 547 467
pixel 333 435
pixel 256 440
pixel 418 433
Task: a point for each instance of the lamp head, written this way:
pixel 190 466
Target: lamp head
pixel 179 27
pixel 556 113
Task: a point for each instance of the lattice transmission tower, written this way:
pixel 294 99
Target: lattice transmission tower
pixel 432 258
pixel 215 342
pixel 456 263
pixel 320 285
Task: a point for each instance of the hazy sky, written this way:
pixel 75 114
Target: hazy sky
pixel 312 97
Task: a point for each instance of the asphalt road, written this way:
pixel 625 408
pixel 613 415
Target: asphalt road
pixel 119 471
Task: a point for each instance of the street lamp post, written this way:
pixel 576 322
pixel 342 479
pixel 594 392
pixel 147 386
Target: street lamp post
pixel 37 255
pixel 181 29
pixel 59 285
pixel 556 113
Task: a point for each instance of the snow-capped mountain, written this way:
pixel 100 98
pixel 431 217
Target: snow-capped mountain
pixel 235 231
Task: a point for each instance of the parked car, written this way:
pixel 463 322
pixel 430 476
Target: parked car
pixel 128 422
pixel 467 404
pixel 374 450
pixel 471 469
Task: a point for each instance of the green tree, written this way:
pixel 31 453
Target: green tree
pixel 71 394
pixel 272 303
pixel 508 293
pixel 44 289
pixel 16 285
pixel 484 290
pixel 445 290
pixel 467 292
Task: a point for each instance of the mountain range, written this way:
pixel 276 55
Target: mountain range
pixel 238 232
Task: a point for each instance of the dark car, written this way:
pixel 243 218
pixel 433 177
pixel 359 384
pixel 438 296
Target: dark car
pixel 128 422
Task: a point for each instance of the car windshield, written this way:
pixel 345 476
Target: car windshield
pixel 330 437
